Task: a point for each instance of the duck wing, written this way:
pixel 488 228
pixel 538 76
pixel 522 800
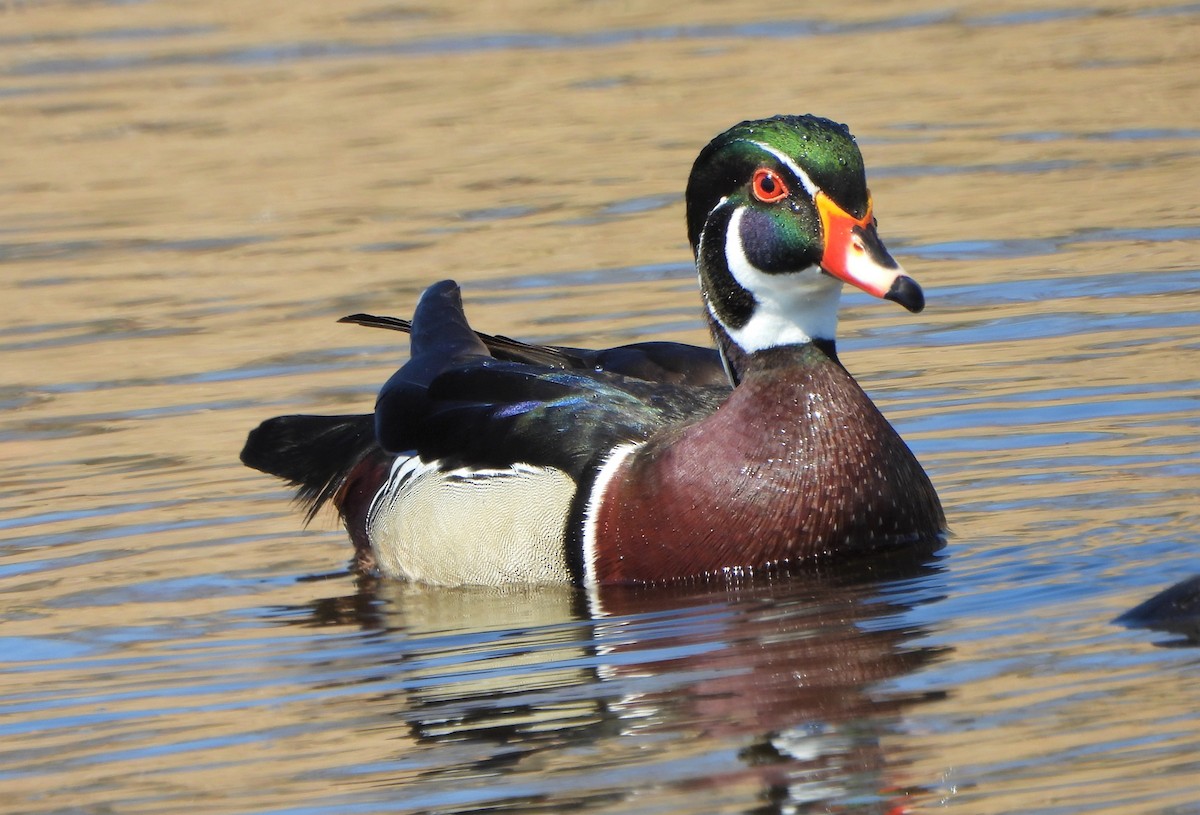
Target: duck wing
pixel 670 362
pixel 461 402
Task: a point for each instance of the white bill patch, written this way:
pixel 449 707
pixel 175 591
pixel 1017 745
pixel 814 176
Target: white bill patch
pixel 471 527
pixel 791 308
pixel 603 478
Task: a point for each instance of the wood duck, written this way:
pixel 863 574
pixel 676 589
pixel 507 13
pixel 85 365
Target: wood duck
pixel 492 461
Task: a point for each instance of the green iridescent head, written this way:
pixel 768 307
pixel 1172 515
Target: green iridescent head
pixel 779 217
pixel 823 149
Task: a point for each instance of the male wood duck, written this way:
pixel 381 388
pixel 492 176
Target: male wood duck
pixel 491 461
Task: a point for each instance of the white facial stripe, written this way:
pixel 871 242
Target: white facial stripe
pixel 708 218
pixel 791 308
pixel 811 188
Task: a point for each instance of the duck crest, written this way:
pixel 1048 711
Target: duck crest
pixel 797 465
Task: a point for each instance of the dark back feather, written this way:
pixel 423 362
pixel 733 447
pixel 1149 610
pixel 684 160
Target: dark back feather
pixel 313 453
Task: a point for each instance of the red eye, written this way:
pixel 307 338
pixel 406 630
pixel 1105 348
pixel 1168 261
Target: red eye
pixel 768 187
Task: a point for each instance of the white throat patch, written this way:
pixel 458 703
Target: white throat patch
pixel 791 308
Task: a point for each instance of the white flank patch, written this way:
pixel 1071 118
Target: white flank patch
pixel 471 527
pixel 603 478
pixel 791 308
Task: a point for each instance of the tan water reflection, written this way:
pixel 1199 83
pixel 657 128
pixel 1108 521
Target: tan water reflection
pixel 193 193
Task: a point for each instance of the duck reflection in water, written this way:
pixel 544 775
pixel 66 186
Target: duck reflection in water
pixel 767 696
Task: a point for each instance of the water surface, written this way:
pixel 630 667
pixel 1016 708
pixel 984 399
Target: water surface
pixel 193 194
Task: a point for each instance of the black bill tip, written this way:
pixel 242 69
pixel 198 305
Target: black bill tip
pixel 907 292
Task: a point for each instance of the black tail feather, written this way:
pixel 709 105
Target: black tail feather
pixel 379 321
pixel 499 346
pixel 313 453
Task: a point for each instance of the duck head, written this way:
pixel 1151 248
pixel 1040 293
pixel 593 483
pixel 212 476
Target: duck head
pixel 779 218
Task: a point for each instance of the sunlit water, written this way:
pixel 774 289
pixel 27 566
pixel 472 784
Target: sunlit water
pixel 193 193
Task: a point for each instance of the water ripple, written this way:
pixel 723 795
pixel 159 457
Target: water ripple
pixel 282 53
